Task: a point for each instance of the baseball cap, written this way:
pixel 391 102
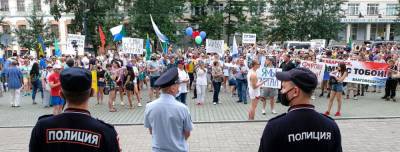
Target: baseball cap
pixel 76 79
pixel 57 66
pixel 303 78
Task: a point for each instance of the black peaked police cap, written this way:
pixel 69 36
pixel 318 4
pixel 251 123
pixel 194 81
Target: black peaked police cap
pixel 76 79
pixel 303 78
pixel 168 78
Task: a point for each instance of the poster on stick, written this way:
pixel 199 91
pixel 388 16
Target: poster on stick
pixel 215 46
pixel 249 38
pixel 132 45
pixel 75 43
pixel 269 76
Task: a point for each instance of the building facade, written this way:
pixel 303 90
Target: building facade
pixel 15 13
pixel 369 20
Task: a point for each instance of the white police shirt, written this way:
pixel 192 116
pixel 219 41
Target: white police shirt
pixel 168 120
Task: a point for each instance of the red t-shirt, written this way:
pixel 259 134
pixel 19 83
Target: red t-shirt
pixel 55 78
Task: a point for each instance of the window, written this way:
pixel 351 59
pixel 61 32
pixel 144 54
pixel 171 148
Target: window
pixel 70 29
pixel 353 9
pixel 372 9
pixel 20 5
pixel 197 11
pixel 391 9
pixel 354 28
pixel 21 27
pixel 4 5
pixel 54 30
pixel 219 8
pixel 37 4
pixel 6 28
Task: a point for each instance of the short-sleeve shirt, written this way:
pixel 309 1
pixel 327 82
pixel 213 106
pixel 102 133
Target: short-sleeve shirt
pixel 55 78
pixel 155 65
pixel 168 120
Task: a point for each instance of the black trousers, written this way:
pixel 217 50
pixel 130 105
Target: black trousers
pixel 390 88
pixel 191 78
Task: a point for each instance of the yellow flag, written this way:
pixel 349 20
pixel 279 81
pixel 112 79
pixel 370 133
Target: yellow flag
pixel 94 81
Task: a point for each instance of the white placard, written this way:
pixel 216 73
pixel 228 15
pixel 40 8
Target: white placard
pixel 80 42
pixel 215 46
pixel 249 38
pixel 132 45
pixel 269 76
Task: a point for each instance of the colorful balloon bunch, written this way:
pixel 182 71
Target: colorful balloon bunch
pixel 196 35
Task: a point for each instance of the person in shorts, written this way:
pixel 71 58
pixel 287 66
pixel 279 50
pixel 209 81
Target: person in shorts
pixel 267 92
pixel 154 69
pixel 55 85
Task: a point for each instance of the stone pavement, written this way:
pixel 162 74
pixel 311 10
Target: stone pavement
pixel 366 135
pixel 366 107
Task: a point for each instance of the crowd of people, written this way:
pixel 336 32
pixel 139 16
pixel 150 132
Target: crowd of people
pixel 128 76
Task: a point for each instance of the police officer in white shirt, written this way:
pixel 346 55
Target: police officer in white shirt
pixel 168 120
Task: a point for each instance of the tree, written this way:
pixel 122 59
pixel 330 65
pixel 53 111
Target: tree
pixel 165 14
pixel 88 15
pixel 28 37
pixel 255 24
pixel 234 16
pixel 213 25
pixel 306 19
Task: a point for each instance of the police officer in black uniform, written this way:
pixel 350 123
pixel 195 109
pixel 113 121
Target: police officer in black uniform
pixel 74 130
pixel 301 129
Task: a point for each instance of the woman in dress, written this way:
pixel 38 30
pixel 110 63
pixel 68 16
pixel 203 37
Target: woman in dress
pixel 128 84
pixel 111 85
pixel 101 83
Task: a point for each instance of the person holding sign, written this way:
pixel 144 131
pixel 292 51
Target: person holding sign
pixel 268 92
pixel 337 78
pixel 254 87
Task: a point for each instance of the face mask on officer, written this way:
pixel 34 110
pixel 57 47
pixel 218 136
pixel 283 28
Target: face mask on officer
pixel 285 99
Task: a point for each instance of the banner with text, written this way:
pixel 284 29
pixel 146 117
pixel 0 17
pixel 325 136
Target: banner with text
pixel 269 76
pixel 75 43
pixel 215 46
pixel 249 38
pixel 132 45
pixel 370 73
pixel 317 68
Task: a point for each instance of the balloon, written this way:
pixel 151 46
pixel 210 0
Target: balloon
pixel 203 34
pixel 198 40
pixel 189 31
pixel 195 33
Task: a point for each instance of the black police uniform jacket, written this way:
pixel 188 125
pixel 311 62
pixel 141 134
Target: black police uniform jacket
pixel 73 131
pixel 302 129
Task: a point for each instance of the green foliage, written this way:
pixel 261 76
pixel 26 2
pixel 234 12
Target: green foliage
pixel 234 11
pixel 28 37
pixel 255 24
pixel 213 25
pixel 90 12
pixel 306 19
pixel 164 12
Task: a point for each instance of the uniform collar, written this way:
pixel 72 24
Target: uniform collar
pixel 301 106
pixel 75 110
pixel 167 96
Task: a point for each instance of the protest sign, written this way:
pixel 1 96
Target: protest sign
pixel 75 43
pixel 215 46
pixel 370 73
pixel 249 38
pixel 132 45
pixel 269 76
pixel 317 68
